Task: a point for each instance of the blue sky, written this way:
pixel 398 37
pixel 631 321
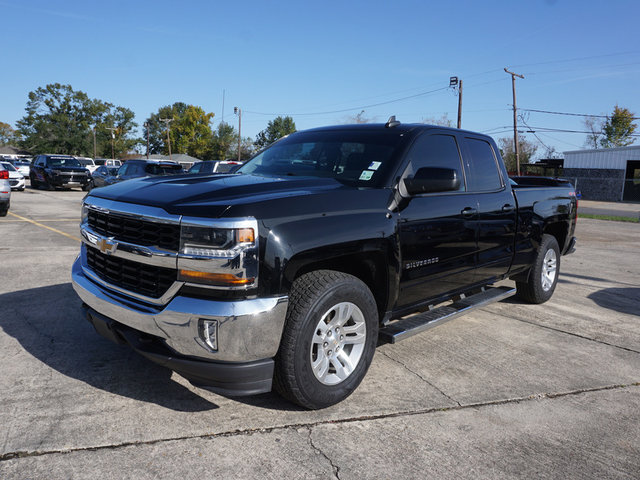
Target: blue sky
pixel 310 58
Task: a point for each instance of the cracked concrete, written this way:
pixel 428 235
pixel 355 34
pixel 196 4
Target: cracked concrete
pixel 553 394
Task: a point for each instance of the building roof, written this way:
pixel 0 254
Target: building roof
pixel 11 150
pixel 176 157
pixel 602 158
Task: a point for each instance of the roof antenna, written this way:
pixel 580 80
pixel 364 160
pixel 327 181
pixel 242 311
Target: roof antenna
pixel 392 122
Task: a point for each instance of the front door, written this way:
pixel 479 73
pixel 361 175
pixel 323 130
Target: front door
pixel 438 232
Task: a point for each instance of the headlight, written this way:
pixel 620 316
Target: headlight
pixel 84 214
pixel 221 254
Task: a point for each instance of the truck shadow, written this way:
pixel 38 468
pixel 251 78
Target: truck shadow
pixel 49 324
pixel 623 300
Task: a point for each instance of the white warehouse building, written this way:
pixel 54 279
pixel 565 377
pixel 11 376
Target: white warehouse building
pixel 608 174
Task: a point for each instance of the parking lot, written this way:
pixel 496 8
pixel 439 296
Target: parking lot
pixel 511 390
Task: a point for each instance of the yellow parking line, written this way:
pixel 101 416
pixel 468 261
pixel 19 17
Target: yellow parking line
pixel 44 226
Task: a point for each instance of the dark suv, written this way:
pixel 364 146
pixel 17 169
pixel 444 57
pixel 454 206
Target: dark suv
pixel 50 171
pixel 147 168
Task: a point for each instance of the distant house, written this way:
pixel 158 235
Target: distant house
pixel 13 152
pixel 607 174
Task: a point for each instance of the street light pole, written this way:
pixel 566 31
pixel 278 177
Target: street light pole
pixel 113 137
pixel 94 142
pixel 146 125
pixel 167 121
pixel 515 118
pixel 238 112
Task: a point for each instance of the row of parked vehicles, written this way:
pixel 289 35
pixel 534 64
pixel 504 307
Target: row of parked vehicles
pixel 66 171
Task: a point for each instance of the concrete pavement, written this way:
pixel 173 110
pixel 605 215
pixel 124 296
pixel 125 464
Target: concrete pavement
pixel 512 390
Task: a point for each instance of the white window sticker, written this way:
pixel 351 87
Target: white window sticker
pixel 366 175
pixel 375 165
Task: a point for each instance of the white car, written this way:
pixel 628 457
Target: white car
pixel 16 179
pixel 22 166
pixel 5 191
pixel 88 163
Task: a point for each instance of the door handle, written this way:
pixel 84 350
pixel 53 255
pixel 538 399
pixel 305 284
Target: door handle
pixel 469 212
pixel 508 208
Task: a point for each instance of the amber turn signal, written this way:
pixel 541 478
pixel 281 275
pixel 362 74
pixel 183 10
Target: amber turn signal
pixel 217 279
pixel 245 235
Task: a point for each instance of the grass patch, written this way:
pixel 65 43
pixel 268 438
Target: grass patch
pixel 614 218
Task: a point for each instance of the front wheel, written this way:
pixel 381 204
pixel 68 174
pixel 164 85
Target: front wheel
pixel 329 339
pixel 543 277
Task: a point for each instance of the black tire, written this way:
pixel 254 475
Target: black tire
pixel 34 183
pixel 88 187
pixel 4 210
pixel 313 296
pixel 538 289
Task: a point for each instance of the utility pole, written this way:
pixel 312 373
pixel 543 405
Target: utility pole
pixel 453 83
pixel 94 142
pixel 460 104
pixel 515 118
pixel 113 137
pixel 238 112
pixel 167 121
pixel 146 125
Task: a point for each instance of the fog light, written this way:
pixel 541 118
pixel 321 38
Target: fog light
pixel 209 333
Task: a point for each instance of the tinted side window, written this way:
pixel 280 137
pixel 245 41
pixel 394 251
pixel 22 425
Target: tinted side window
pixel 483 170
pixel 436 151
pixel 123 169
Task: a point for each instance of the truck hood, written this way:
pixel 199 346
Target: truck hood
pixel 212 195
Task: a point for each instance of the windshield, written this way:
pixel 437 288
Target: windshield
pixel 63 162
pixel 226 167
pixel 8 166
pixel 159 169
pixel 113 171
pixel 360 158
pixel 84 162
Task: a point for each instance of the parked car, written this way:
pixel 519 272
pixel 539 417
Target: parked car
pixel 88 163
pixel 103 176
pixel 147 168
pixel 215 166
pixel 5 191
pixel 289 273
pixel 23 166
pixel 51 171
pixel 16 179
pixel 108 162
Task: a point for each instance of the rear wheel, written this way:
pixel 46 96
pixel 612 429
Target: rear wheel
pixel 4 209
pixel 543 277
pixel 328 341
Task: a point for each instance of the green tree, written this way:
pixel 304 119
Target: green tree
pixel 7 134
pixel 526 149
pixel 618 129
pixel 189 130
pixel 223 139
pixel 59 119
pixel 276 128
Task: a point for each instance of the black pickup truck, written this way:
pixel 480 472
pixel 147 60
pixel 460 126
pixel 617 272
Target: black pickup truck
pixel 289 272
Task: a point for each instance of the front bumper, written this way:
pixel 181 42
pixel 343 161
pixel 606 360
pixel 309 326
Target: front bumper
pixel 249 331
pixel 233 379
pixel 17 183
pixel 68 180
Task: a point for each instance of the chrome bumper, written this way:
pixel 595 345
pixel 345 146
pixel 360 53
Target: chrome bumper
pixel 248 330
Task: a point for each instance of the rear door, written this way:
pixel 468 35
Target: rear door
pixel 487 179
pixel 438 230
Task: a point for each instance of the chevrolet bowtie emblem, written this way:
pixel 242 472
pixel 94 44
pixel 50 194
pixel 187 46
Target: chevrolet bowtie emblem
pixel 107 245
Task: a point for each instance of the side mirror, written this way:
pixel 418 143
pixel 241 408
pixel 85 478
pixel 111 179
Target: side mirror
pixel 431 180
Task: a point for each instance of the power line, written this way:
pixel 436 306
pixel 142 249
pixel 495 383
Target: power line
pixel 362 107
pixel 569 114
pixel 576 59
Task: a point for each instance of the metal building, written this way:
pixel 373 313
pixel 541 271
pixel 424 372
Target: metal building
pixel 608 174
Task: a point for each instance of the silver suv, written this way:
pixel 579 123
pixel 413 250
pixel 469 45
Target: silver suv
pixel 5 191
